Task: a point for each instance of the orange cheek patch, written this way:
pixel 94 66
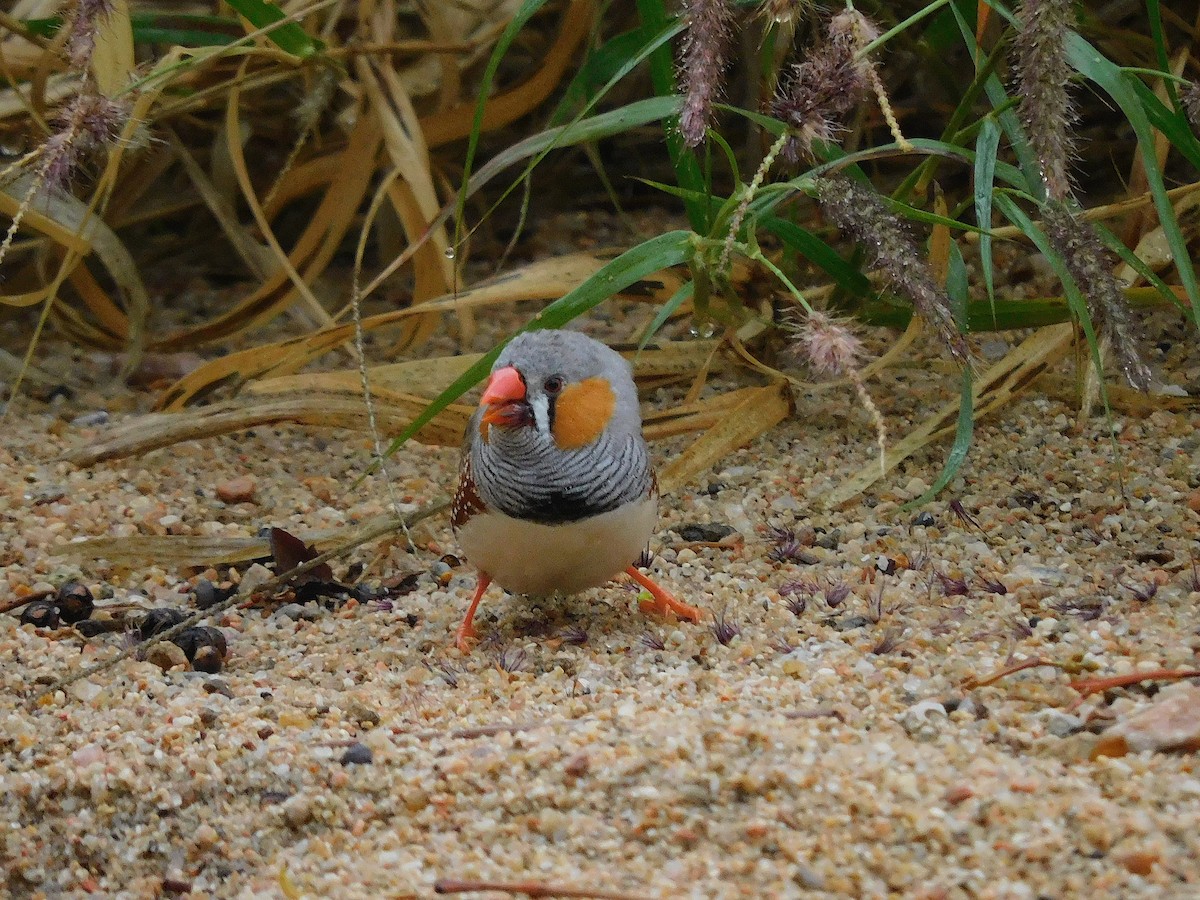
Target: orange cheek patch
pixel 582 412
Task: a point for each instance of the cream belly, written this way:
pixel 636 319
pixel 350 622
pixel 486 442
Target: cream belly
pixel 532 558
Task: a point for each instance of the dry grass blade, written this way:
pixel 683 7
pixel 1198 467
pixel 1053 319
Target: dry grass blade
pixel 414 196
pixel 196 550
pixel 760 410
pixel 402 391
pixel 546 280
pixel 996 387
pixel 311 253
pixel 113 60
pixel 325 410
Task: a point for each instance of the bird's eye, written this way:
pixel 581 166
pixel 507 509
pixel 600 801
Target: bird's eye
pixel 554 384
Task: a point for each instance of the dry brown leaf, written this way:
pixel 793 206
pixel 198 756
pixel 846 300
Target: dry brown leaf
pixel 112 60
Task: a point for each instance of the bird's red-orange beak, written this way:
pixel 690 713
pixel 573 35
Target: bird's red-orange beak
pixel 504 399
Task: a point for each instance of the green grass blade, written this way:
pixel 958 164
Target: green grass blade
pixel 662 76
pixel 957 288
pixel 819 254
pixel 964 433
pixel 599 67
pixel 987 146
pixel 1075 299
pixel 606 124
pixel 180 29
pixel 1172 123
pixel 1132 260
pixel 487 81
pixel 1108 76
pixel 1010 123
pixel 288 37
pixel 665 312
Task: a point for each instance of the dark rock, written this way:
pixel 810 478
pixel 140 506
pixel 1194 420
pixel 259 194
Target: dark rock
pixel 708 534
pixel 357 755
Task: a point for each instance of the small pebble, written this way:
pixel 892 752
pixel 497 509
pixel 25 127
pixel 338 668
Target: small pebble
pixel 166 655
pixel 237 490
pixel 704 533
pixel 298 811
pixel 91 419
pixel 357 755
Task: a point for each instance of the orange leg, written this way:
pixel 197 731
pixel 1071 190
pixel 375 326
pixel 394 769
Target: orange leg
pixel 663 602
pixel 466 631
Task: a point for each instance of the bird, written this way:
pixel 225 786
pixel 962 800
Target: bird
pixel 556 493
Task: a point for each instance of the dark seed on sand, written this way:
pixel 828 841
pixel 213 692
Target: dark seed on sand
pixel 208 659
pixel 204 646
pixel 74 602
pixel 357 755
pixel 206 594
pixel 40 614
pixel 159 620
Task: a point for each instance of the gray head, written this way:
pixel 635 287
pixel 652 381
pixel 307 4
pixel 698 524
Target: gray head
pixel 567 387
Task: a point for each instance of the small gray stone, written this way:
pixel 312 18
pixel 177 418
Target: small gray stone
pixel 218 686
pixel 91 419
pixel 293 611
pixel 358 754
pixel 709 533
pixel 1059 723
pixel 830 540
pixel 255 576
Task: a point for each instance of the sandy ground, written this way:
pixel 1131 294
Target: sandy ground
pixel 832 747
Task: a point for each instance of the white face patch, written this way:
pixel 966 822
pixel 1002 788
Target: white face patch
pixel 541 414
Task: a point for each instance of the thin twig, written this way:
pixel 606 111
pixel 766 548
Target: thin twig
pixel 1087 686
pixel 9 605
pixel 985 680
pixel 528 888
pixel 366 535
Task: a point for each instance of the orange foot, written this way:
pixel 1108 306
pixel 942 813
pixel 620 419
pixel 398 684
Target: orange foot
pixel 465 637
pixel 466 633
pixel 663 602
